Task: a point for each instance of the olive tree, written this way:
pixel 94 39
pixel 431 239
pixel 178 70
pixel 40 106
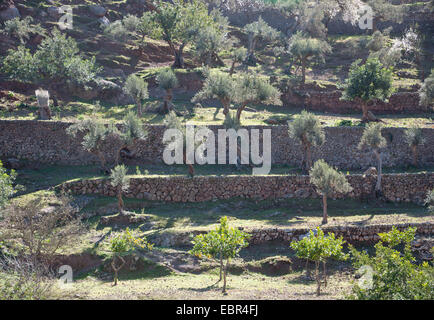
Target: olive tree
pixel 178 24
pixel 367 83
pixel 95 133
pixel 21 29
pixel 426 92
pixel 414 138
pixel 306 129
pixel 258 31
pixel 6 184
pixel 373 139
pixel 237 55
pixel 167 81
pixel 304 50
pixel 319 248
pixel 385 11
pixel 327 181
pixel 124 243
pixel 137 88
pixel 223 243
pixel 120 181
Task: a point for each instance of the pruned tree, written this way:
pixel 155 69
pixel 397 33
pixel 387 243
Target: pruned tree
pixel 414 138
pixel 368 83
pixel 6 185
pixel 218 85
pixel 122 244
pixel 167 81
pixel 327 181
pixel 306 129
pixel 251 89
pixel 137 88
pixel 426 92
pixel 258 31
pixel 121 182
pixel 39 230
pixel 237 55
pixel 178 24
pixel 223 243
pixel 373 139
pixel 319 248
pixel 130 133
pixel 95 133
pixel 305 50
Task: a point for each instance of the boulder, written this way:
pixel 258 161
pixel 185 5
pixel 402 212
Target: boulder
pixel 9 13
pixel 97 10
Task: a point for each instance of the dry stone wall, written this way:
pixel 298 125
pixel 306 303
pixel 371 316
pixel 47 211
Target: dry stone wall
pixel 396 187
pixel 47 142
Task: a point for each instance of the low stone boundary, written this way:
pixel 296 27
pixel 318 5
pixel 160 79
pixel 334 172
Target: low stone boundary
pixel 405 187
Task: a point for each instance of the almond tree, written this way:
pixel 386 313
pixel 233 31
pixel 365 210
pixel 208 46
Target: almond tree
pixel 137 88
pixel 328 180
pixel 223 243
pixel 373 139
pixel 368 83
pixel 121 182
pixel 414 138
pixel 319 248
pixel 306 128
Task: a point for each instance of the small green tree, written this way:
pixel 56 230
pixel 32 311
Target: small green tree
pixel 218 85
pixel 250 89
pixel 6 185
pixel 305 50
pixel 306 128
pixel 328 180
pixel 167 81
pixel 238 55
pixel 122 244
pixel 95 133
pixel 373 139
pixel 223 243
pixel 121 182
pixel 137 88
pixel 367 83
pixel 392 274
pixel 426 92
pixel 21 29
pixel 318 248
pixel 414 138
pixel 131 132
pixel 258 31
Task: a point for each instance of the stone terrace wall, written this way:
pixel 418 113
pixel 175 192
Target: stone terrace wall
pixel 396 187
pixel 47 142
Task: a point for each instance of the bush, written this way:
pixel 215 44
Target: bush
pixel 6 185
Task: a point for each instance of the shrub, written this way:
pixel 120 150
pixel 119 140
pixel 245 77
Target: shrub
pixel 426 92
pixel 6 185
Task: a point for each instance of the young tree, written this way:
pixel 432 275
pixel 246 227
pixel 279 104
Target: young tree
pixel 414 138
pixel 40 230
pixel 21 29
pixel 328 180
pixel 43 98
pixel 178 24
pixel 137 88
pixel 223 243
pixel 426 92
pixel 250 89
pixel 96 133
pixel 318 248
pixel 393 273
pixel 367 83
pixel 55 63
pixel 6 185
pixel 122 244
pixel 305 50
pixel 121 182
pixel 373 139
pixel 238 55
pixel 168 81
pixel 306 128
pixel 218 85
pixel 258 31
pixel 131 132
